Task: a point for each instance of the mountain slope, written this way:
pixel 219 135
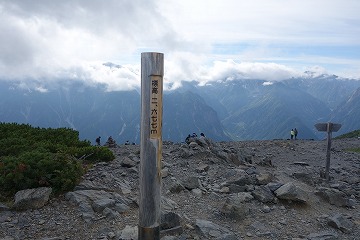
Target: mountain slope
pixel 348 114
pixel 185 113
pixel 94 112
pixel 273 114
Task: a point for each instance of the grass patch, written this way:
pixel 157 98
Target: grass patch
pixel 353 150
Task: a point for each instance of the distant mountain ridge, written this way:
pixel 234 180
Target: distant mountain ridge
pixel 224 110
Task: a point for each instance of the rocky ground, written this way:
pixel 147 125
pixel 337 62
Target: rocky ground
pixel 228 190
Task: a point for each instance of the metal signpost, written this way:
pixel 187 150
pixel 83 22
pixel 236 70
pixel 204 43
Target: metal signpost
pixel 329 128
pixel 152 72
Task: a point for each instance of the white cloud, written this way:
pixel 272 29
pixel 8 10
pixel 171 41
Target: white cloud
pixel 71 39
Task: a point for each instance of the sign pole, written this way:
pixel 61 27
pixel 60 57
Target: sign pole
pixel 328 151
pixel 152 72
pixel 329 128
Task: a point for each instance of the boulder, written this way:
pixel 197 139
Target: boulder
pixel 32 198
pixel 263 194
pixel 334 197
pixel 340 222
pixel 290 191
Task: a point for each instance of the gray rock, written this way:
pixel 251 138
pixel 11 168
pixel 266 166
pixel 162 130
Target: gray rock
pixel 168 204
pixel 164 172
pixel 237 212
pixel 197 192
pixel 334 197
pixel 169 220
pixel 261 229
pixel 111 214
pixel 252 170
pixel 243 180
pixel 128 163
pixel 233 188
pixel 340 222
pixel 90 201
pixel 290 191
pixel 273 186
pixel 121 208
pixel 129 233
pixel 191 183
pixel 239 198
pixel 304 177
pixel 326 235
pixel 32 198
pixel 4 207
pixel 211 230
pixel 100 204
pixel 264 178
pixel 176 187
pixel 202 168
pixel 263 194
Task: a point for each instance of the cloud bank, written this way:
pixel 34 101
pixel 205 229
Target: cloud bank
pixel 46 41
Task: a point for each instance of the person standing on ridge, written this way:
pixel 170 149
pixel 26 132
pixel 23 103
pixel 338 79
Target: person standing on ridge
pixel 295 133
pixel 98 141
pixel 292 134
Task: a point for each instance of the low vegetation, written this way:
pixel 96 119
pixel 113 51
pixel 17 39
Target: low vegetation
pixel 353 134
pixel 37 157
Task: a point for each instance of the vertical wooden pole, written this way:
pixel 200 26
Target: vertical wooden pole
pixel 327 166
pixel 152 72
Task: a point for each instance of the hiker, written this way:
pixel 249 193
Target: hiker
pixel 187 139
pixel 127 142
pixel 292 134
pixel 98 141
pixel 194 135
pixel 295 133
pixel 202 135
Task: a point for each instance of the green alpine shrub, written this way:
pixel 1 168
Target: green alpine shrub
pixel 37 157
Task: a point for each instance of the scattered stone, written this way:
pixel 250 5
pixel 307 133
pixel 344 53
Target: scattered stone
pixel 202 168
pixel 191 183
pixel 128 163
pixel 107 197
pixel 210 230
pixel 264 178
pixel 3 207
pixel 325 235
pixel 129 233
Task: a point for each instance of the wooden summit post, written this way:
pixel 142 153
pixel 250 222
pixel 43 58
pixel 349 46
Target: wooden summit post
pixel 152 72
pixel 329 128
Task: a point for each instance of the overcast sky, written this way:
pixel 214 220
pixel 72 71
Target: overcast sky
pixel 203 40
